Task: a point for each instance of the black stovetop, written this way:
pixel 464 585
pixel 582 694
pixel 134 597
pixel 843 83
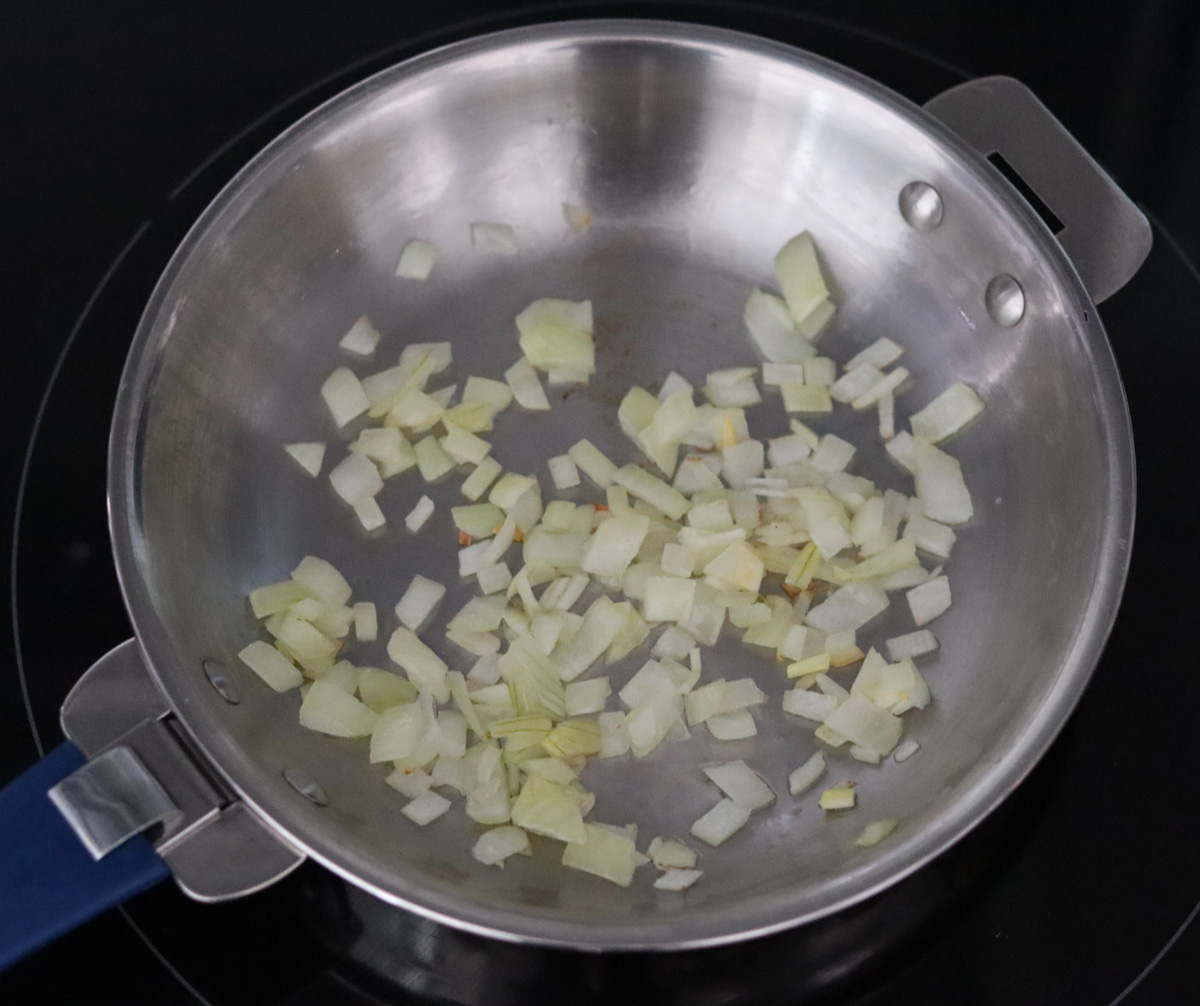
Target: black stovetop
pixel 120 123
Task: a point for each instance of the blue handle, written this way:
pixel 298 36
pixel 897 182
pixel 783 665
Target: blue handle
pixel 49 883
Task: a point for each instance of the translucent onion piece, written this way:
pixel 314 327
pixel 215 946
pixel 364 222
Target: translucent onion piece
pixel 418 602
pixel 494 237
pixel 721 822
pixel 362 338
pixel 426 808
pixel 741 784
pixel 309 456
pixel 417 259
pixel 344 395
pixel 807 774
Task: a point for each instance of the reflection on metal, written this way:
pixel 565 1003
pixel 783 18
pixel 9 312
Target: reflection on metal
pixel 306 786
pixel 921 206
pixel 1005 300
pixel 110 799
pixel 223 680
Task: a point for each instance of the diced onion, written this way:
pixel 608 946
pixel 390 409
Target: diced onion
pixel 807 774
pixel 362 338
pixel 605 853
pixel 677 880
pixel 309 456
pixel 526 387
pixel 929 600
pixel 800 276
pixel 578 218
pixel 410 783
pixel 366 625
pixel 417 259
pixel 330 710
pixel 838 798
pixel 418 602
pixel 874 833
pixel 496 844
pixel 741 784
pixel 272 666
pixel 344 395
pixel 911 645
pixel 670 853
pixel 355 478
pixel 563 472
pixel 426 808
pixel 906 749
pixel 946 414
pixel 881 353
pixel 721 822
pixel 368 513
pixel 732 726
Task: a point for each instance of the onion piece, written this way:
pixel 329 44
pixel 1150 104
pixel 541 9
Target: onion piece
pixel 583 697
pixel 556 334
pixel 881 353
pixel 322 580
pixel 478 520
pixel 817 320
pixel 366 624
pixel 606 853
pixel 424 668
pixel 668 599
pixel 946 414
pixel 426 808
pixel 494 577
pixel 673 383
pixel 657 493
pixel 410 783
pixel 417 259
pixel 331 710
pixel 484 475
pixel 415 606
pixel 271 666
pixel 732 726
pixel 833 454
pixel 721 822
pixel 850 607
pixel 809 705
pixel 464 447
pixel 526 387
pixel 911 645
pixel 308 456
pixel 548 809
pixel 362 338
pixel 807 774
pixel 855 383
pixel 380 690
pixel 563 472
pixel 862 722
pixel 432 460
pixel 368 513
pixel 604 619
pixel 355 478
pixel 494 237
pixel 497 844
pixel 800 276
pixel 677 879
pixel 887 416
pixel 929 600
pixel 841 797
pixel 887 386
pixel 344 395
pixel 930 536
pixel 875 832
pixel 670 853
pixel 593 463
pixel 615 544
pixel 741 784
pixel 906 749
pixel 773 328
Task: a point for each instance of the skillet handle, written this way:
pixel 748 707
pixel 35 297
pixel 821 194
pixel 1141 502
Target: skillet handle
pixel 49 882
pixel 1105 235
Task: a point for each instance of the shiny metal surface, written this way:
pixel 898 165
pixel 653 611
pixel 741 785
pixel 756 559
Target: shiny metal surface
pixel 1104 234
pixel 146 771
pixel 699 152
pixel 110 799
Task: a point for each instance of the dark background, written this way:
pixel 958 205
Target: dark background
pixel 124 116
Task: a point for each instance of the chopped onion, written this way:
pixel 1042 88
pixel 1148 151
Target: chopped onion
pixel 329 709
pixel 807 774
pixel 929 600
pixel 773 329
pixel 526 387
pixel 493 237
pixel 881 353
pixel 946 414
pixel 850 607
pixel 782 373
pixel 833 454
pixel 887 416
pixel 732 726
pixel 356 478
pixel 721 822
pixel 654 491
pixel 855 383
pixel 556 335
pixel 817 320
pixel 563 472
pixel 424 668
pixel 494 577
pixel 887 386
pixel 322 580
pixel 344 395
pixel 930 536
pixel 426 808
pixel 465 448
pixel 911 645
pixel 668 598
pixel 584 697
pixel 800 276
pixel 368 513
pixel 862 722
pixel 417 259
pixel 906 749
pixel 548 809
pixel 615 544
pixel 809 705
pixel 670 853
pixel 726 394
pixel 271 665
pixel 741 784
pixel 366 625
pixel 380 690
pixel 677 880
pixel 940 485
pixel 432 459
pixel 820 372
pixel 496 844
pixel 309 456
pixel 672 384
pixel 410 783
pixel 362 338
pixel 479 520
pixel 838 798
pixel 874 833
pixel 483 476
pixel 418 602
pixel 605 853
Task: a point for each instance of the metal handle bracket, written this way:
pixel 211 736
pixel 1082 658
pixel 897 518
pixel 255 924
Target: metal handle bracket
pixel 1105 235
